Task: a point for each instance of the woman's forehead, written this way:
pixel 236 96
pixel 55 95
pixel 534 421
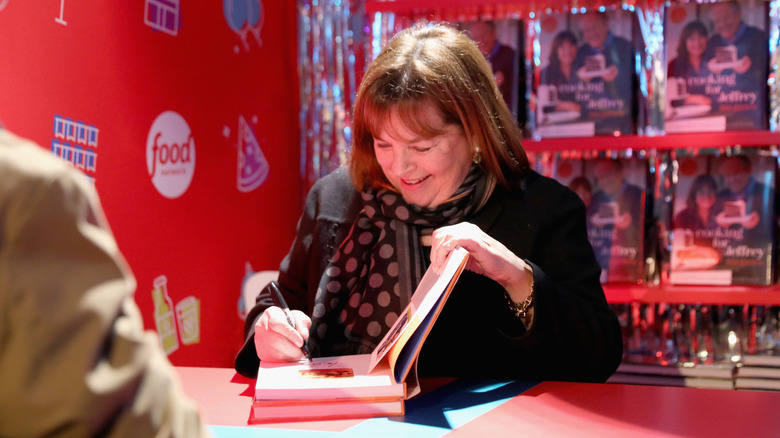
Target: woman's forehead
pixel 409 122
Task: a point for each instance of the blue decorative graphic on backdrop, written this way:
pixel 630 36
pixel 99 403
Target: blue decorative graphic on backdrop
pixel 75 142
pixel 244 17
pixel 163 15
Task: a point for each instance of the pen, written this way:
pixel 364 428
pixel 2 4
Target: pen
pixel 278 298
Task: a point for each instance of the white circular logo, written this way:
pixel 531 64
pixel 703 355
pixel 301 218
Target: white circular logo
pixel 170 154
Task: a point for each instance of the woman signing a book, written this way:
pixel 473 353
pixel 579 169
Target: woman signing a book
pixel 437 162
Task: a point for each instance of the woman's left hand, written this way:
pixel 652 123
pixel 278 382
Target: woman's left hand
pixel 487 256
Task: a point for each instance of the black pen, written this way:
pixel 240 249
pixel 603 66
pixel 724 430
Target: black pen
pixel 278 298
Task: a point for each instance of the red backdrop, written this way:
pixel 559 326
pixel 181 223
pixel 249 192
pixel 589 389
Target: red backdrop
pixel 209 91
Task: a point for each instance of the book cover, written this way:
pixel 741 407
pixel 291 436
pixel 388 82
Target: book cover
pixel 723 371
pixel 499 41
pixel 759 372
pixel 717 66
pixel 723 228
pixel 587 76
pixel 616 216
pixel 757 383
pixel 762 360
pixel 337 377
pixel 364 378
pixel 681 381
pixel 281 411
pixel 571 173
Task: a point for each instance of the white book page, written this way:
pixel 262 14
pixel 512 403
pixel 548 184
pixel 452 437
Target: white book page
pixel 431 287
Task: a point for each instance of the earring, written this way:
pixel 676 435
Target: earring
pixel 477 158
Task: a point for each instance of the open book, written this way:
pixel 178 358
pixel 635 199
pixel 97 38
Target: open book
pixel 363 385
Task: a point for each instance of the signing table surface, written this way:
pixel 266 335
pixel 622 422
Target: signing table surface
pixel 463 408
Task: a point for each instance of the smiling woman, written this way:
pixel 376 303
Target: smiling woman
pixel 437 162
pixel 426 171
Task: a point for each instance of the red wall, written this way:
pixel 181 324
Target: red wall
pixel 101 66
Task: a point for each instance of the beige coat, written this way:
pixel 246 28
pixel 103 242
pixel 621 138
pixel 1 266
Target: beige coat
pixel 74 358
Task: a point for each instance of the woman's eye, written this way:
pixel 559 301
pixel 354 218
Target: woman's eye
pixel 421 149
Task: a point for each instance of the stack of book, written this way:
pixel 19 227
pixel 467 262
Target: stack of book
pixel 758 372
pixel 716 376
pixel 326 388
pixel 363 385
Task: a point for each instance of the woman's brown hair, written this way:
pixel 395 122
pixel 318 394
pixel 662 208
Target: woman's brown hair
pixel 434 64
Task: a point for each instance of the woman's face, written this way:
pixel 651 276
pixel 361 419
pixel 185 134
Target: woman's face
pixel 566 53
pixel 705 197
pixel 695 44
pixel 425 171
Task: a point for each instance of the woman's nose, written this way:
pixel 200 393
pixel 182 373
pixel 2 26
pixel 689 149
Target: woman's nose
pixel 402 162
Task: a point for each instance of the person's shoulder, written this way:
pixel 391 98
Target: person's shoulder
pixel 505 50
pixel 621 41
pixel 23 163
pixel 543 193
pixel 676 67
pixel 544 75
pixel 24 155
pixel 632 188
pixel 536 184
pixel 333 195
pixel 754 31
pixel 716 40
pixel 336 180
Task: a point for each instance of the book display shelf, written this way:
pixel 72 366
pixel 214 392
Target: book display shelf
pixel 647 306
pixel 690 141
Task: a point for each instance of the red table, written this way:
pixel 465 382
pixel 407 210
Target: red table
pixel 549 409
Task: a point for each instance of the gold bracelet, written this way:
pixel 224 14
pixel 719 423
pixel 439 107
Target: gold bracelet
pixel 521 309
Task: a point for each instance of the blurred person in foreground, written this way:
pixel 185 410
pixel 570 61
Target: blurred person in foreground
pixel 437 162
pixel 74 358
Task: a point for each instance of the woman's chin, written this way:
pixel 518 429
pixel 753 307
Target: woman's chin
pixel 416 199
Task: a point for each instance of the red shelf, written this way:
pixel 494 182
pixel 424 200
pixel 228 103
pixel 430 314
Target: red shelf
pixel 671 141
pixel 730 295
pixel 404 6
pixel 524 6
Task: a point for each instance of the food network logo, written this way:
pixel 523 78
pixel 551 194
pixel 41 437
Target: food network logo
pixel 170 154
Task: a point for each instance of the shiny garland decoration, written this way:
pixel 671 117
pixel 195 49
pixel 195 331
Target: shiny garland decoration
pixel 330 38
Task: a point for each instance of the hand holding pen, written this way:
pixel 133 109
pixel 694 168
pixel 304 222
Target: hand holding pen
pixel 280 334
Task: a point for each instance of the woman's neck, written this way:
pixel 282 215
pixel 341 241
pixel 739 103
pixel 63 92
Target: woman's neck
pixel 704 214
pixel 695 62
pixel 566 70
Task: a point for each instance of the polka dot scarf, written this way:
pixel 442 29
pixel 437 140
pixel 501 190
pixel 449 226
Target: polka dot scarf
pixel 374 272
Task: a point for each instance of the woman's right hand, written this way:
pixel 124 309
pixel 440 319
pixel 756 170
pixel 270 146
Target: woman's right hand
pixel 276 340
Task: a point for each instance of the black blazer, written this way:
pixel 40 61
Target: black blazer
pixel 575 336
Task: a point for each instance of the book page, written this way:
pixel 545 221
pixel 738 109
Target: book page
pixel 412 320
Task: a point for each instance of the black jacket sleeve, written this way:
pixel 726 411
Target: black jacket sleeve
pixel 331 206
